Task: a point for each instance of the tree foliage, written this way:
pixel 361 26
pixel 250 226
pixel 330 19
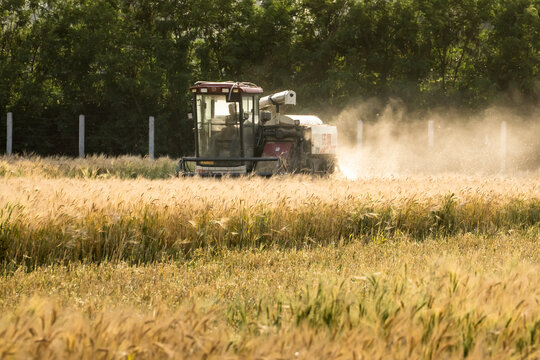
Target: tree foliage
pixel 119 61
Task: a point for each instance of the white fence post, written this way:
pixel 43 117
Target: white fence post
pixel 503 146
pixel 431 134
pixel 81 136
pixel 151 137
pixel 359 136
pixel 9 138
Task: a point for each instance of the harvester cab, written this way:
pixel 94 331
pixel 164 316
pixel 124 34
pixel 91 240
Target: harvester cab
pixel 237 133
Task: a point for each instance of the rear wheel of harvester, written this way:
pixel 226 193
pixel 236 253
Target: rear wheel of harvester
pixel 329 168
pixel 319 167
pixel 313 166
pixel 322 166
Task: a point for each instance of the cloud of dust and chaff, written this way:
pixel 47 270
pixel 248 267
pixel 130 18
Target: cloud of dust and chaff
pixel 395 141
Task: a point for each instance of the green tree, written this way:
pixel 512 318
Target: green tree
pixel 453 31
pixel 513 48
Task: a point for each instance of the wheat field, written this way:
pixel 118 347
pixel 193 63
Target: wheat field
pixel 99 264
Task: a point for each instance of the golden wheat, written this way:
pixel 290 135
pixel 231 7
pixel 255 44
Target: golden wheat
pixel 91 167
pixel 467 296
pixel 46 221
pixel 290 267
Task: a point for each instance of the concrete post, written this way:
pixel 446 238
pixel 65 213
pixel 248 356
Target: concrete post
pixel 9 137
pixel 359 137
pixel 81 136
pixel 431 134
pixel 151 137
pixel 504 135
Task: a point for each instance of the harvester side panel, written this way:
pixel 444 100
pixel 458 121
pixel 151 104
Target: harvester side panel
pixel 324 140
pixel 282 150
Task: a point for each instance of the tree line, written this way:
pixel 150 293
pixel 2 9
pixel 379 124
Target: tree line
pixel 120 61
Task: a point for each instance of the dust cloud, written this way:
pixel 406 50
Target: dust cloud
pixel 397 142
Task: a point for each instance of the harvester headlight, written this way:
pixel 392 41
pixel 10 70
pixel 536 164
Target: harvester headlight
pixel 204 90
pixel 225 90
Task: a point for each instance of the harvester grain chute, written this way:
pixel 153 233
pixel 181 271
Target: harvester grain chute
pixel 238 133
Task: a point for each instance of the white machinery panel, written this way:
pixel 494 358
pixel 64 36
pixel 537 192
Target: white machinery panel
pixel 323 139
pixel 220 170
pixel 287 97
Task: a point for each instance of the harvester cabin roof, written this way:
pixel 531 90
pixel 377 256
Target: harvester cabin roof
pixel 224 87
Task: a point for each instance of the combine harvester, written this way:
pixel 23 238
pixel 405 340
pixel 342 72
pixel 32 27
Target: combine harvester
pixel 237 133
